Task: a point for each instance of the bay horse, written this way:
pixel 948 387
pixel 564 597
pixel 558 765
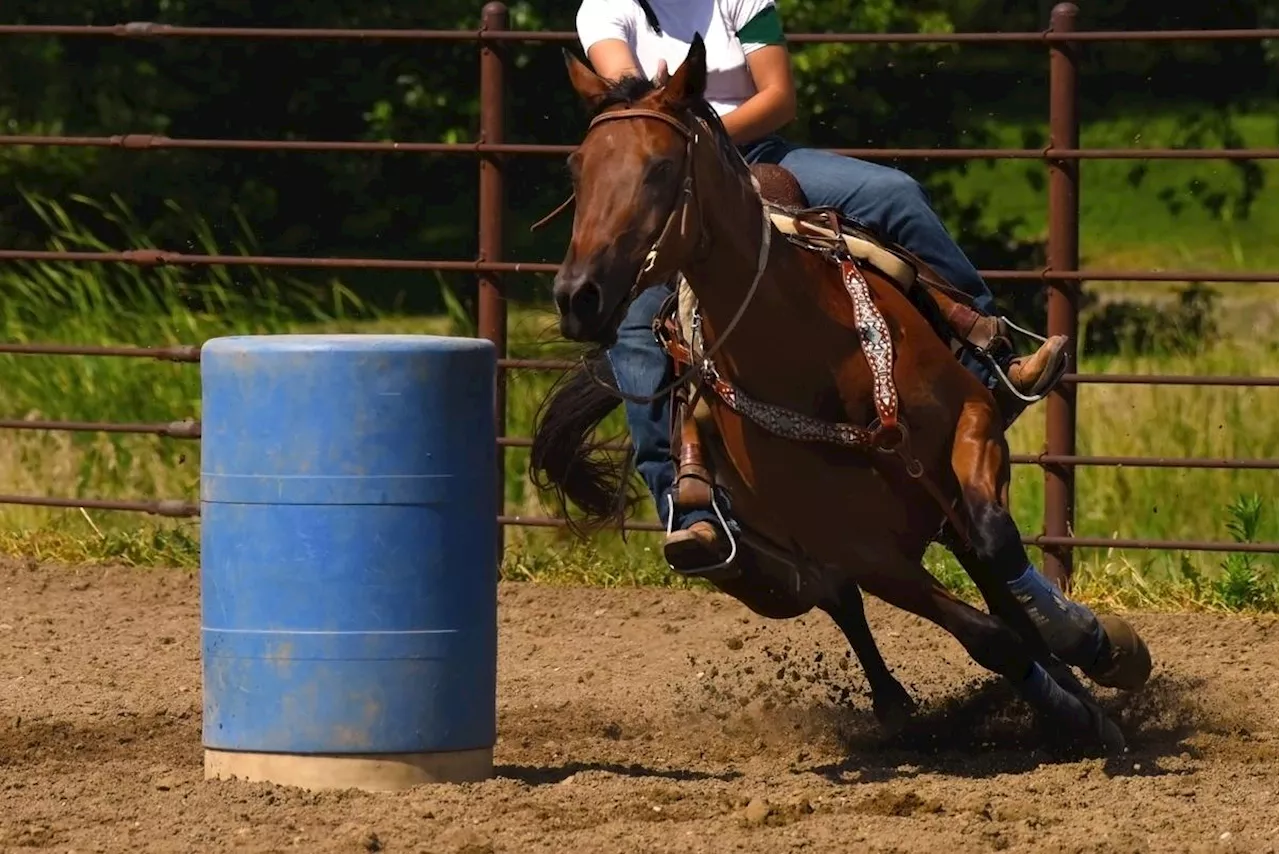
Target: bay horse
pixel 826 342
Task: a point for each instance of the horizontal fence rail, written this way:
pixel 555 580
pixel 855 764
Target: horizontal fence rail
pixel 149 29
pixel 170 430
pixel 165 258
pixel 191 353
pixel 190 429
pixel 171 508
pixel 1041 541
pixel 1062 276
pixel 155 142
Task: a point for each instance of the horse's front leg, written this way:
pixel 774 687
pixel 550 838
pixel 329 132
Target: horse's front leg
pixel 1106 648
pixel 892 704
pixel 993 645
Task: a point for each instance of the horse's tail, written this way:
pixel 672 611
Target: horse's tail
pixel 566 460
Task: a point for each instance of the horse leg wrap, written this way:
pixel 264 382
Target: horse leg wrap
pixel 1046 695
pixel 1069 629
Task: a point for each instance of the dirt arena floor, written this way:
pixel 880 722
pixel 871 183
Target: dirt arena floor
pixel 638 721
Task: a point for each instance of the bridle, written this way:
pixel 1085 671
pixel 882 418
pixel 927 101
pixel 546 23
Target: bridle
pixel 676 234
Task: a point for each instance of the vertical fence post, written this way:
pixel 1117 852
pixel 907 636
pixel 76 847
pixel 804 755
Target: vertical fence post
pixel 492 320
pixel 1063 295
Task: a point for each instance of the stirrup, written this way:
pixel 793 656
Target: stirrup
pixel 714 571
pixel 990 362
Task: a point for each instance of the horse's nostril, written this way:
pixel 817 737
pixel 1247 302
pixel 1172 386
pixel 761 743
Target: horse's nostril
pixel 585 302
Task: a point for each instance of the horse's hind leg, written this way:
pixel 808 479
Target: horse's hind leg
pixel 995 646
pixel 892 704
pixel 1107 649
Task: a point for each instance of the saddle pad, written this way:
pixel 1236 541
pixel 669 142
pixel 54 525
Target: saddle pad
pixel 860 247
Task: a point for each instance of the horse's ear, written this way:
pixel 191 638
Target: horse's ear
pixel 690 79
pixel 591 87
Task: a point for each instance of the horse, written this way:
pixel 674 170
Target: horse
pixel 805 311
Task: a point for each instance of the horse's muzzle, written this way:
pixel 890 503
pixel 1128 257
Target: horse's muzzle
pixel 581 303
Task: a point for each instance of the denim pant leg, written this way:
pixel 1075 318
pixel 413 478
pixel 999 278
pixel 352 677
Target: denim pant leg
pixel 891 202
pixel 641 367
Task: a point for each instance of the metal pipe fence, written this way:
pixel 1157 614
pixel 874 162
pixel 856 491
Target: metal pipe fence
pixel 1062 276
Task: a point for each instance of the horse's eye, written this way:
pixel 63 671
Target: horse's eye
pixel 659 170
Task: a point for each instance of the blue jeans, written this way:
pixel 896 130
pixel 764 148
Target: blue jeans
pixel 641 367
pixel 887 201
pixel 883 199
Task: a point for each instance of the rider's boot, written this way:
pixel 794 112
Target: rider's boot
pixel 694 484
pixel 703 544
pixel 1032 375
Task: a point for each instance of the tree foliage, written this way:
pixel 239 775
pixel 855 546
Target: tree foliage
pixel 407 205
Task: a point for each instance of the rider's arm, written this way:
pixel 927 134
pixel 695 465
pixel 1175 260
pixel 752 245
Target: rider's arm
pixel 612 59
pixel 773 104
pixel 604 28
pixel 759 30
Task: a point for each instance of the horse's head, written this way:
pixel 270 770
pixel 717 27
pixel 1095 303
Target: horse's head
pixel 636 217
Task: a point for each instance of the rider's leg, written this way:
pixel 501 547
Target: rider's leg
pixel 893 203
pixel 641 368
pixel 887 200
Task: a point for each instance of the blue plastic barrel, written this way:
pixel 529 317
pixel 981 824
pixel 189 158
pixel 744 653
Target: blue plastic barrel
pixel 348 559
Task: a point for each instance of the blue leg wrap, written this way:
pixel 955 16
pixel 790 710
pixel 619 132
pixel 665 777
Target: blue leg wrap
pixel 1069 628
pixel 1039 689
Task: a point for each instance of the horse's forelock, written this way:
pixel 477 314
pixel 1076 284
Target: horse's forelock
pixel 626 91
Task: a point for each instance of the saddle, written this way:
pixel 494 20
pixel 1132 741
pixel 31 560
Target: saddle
pixel 824 230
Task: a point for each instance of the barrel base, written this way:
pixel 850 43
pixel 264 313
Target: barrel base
pixel 382 772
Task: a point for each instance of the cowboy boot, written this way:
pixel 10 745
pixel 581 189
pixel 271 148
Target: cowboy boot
pixel 697 547
pixel 702 544
pixel 1033 374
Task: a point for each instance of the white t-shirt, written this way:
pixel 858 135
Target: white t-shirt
pixel 729 81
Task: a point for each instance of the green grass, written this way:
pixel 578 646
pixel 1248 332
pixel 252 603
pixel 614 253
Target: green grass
pixel 1123 225
pixel 1139 214
pixel 1115 420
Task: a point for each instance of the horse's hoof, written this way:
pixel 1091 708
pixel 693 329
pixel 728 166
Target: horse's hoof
pixel 893 710
pixel 1128 666
pixel 1106 731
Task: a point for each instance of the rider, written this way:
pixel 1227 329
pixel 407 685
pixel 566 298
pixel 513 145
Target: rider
pixel 749 85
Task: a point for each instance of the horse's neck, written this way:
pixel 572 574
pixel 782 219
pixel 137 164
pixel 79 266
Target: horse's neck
pixel 733 215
